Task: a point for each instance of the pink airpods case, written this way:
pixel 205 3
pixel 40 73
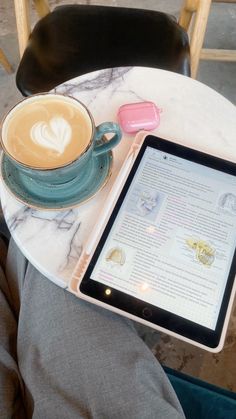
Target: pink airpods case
pixel 134 117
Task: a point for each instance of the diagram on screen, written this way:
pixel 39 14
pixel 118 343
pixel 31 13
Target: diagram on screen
pixel 145 202
pixel 203 251
pixel 227 202
pixel 116 256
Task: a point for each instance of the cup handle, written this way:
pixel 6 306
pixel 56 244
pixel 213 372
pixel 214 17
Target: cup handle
pixel 104 128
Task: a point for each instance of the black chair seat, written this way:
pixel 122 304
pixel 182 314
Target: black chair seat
pixel 75 39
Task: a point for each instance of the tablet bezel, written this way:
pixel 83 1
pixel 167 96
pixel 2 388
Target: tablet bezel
pixel 141 309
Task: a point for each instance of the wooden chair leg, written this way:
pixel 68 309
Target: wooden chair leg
pixel 198 34
pixel 188 9
pixel 200 9
pixel 5 63
pixel 22 12
pixel 42 7
pixel 22 23
pixel 219 54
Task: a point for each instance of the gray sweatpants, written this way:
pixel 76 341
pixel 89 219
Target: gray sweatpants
pixel 63 358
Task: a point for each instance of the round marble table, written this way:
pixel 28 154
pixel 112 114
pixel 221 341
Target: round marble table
pixel 193 114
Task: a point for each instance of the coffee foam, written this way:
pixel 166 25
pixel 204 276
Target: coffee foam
pixel 54 134
pixel 47 131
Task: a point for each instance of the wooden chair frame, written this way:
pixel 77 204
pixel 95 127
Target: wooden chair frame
pixel 193 18
pixel 22 12
pixel 198 10
pixel 5 63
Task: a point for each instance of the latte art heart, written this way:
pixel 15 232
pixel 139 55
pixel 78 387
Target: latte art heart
pixel 48 131
pixel 54 135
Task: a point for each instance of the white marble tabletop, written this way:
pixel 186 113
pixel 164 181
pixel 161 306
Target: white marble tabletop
pixel 192 114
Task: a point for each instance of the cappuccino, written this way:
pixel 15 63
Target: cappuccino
pixel 47 131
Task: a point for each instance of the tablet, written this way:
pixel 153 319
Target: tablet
pixel 163 251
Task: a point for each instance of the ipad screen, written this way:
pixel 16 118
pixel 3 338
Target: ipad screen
pixel 173 239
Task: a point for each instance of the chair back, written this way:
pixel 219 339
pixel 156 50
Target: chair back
pixel 76 39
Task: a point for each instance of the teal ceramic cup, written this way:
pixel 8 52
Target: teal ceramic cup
pixel 47 124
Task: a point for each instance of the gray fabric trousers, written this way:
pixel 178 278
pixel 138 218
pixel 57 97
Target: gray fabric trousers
pixel 63 358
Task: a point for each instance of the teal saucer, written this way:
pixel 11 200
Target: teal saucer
pixel 63 196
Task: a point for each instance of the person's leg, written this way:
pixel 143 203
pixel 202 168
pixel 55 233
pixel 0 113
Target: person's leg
pixel 78 360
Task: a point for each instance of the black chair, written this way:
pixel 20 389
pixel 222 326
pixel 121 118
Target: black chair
pixel 75 39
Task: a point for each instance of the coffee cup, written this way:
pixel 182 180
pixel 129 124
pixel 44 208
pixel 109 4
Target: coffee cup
pixel 51 138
